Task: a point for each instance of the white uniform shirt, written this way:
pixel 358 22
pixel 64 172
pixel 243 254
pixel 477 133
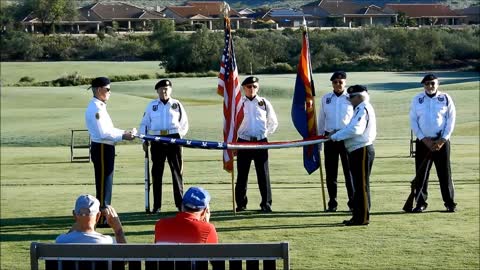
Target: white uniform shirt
pixel 335 112
pixel 84 237
pixel 362 129
pixel 259 118
pixel 99 123
pixel 164 119
pixel 432 116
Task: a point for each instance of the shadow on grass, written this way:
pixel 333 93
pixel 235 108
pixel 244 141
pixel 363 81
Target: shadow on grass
pixel 17 229
pixel 39 163
pixel 445 78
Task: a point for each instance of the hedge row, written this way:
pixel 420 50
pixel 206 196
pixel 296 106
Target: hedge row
pixel 366 49
pixel 75 78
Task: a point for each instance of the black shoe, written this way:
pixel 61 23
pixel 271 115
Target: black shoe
pixel 451 209
pixel 347 221
pixel 331 209
pixel 241 208
pixel 419 208
pixel 266 208
pixel 155 211
pixel 354 223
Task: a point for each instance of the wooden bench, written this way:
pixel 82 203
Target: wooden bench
pixel 231 256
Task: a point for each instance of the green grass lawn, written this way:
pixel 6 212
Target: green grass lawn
pixel 46 71
pixel 39 184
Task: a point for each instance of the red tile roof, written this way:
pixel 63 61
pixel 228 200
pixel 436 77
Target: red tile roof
pixel 211 9
pixel 116 10
pixel 423 10
pixel 105 11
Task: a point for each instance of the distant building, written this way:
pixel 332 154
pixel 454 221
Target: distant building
pixel 99 16
pixel 245 12
pixel 348 13
pixel 472 14
pixel 428 14
pixel 285 17
pixel 204 12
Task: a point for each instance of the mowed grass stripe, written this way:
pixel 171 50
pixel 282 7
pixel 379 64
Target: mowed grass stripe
pixel 39 184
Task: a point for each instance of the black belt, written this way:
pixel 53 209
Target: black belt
pixel 328 132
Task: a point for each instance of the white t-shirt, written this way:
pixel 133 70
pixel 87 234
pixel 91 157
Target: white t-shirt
pixel 83 237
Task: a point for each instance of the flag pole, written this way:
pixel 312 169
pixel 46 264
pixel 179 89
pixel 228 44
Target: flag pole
pixel 321 180
pixel 233 188
pixel 225 9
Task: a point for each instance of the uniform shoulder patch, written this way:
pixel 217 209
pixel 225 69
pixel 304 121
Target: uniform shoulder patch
pixel 174 106
pixel 261 103
pixel 97 115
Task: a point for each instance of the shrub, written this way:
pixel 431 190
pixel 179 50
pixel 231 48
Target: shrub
pixel 144 76
pixel 26 79
pixel 277 68
pixel 71 80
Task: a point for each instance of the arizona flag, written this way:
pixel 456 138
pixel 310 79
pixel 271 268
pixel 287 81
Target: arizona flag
pixel 303 107
pixel 229 89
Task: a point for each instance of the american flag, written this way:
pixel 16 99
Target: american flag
pixel 229 89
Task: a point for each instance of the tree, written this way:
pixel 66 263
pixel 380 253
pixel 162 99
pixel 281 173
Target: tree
pixel 11 15
pixel 50 12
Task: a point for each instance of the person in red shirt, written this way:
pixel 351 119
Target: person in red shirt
pixel 191 225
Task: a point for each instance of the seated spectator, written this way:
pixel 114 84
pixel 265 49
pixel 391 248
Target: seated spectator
pixel 191 225
pixel 86 214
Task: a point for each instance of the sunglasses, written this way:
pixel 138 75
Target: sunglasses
pixel 107 88
pixel 337 82
pixel 353 95
pixel 430 83
pixel 251 86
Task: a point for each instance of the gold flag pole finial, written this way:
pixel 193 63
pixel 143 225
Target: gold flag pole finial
pixel 225 8
pixel 303 26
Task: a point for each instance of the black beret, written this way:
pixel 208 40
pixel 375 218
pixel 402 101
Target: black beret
pixel 250 80
pixel 356 89
pixel 338 75
pixel 163 83
pixel 429 77
pixel 100 82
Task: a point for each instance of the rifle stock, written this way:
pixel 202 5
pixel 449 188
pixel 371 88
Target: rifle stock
pixel 408 206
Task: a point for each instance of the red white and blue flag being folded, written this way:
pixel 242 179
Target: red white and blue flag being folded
pixel 229 88
pixel 303 106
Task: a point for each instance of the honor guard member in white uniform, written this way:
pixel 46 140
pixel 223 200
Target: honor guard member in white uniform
pixel 259 121
pixel 335 113
pixel 358 137
pixel 103 136
pixel 432 119
pixel 165 117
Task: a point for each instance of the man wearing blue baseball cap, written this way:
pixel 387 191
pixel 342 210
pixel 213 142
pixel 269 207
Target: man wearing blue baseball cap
pixel 191 225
